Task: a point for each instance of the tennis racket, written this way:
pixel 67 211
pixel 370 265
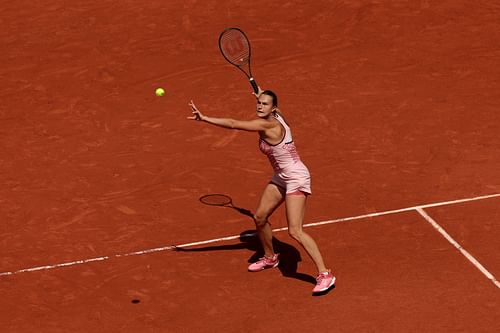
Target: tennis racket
pixel 235 47
pixel 223 200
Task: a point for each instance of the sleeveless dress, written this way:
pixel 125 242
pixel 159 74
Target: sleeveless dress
pixel 289 171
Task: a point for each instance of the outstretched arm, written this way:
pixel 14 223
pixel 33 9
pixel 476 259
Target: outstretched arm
pixel 251 125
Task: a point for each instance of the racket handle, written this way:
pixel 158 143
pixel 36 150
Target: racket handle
pixel 254 85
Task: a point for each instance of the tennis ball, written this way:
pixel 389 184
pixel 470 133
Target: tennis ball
pixel 160 92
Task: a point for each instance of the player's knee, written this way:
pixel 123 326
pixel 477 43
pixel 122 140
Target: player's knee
pixel 260 220
pixel 296 233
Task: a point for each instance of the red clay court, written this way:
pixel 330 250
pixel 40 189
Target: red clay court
pixel 394 108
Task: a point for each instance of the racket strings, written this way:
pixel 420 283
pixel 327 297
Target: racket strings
pixel 235 47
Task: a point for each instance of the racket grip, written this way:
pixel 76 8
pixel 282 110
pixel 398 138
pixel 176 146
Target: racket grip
pixel 254 85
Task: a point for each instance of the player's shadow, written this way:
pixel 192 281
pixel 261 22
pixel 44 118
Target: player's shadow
pixel 289 255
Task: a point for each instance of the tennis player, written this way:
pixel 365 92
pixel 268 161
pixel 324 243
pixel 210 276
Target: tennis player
pixel 291 182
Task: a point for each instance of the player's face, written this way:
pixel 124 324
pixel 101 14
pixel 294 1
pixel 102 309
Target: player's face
pixel 264 106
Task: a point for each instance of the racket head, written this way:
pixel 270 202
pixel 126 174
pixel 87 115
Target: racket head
pixel 216 200
pixel 235 46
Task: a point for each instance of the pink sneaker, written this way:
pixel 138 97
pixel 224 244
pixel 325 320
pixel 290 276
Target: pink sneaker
pixel 324 281
pixel 264 263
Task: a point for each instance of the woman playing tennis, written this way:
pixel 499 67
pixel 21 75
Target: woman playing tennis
pixel 291 182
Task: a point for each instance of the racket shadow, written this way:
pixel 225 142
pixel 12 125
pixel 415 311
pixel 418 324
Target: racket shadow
pixel 289 255
pixel 243 211
pixel 223 200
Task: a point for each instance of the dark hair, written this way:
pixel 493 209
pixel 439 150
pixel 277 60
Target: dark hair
pixel 273 95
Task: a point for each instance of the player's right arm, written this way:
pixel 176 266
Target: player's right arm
pixel 254 125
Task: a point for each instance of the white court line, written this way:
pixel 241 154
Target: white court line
pixel 173 247
pixel 458 247
pixel 437 204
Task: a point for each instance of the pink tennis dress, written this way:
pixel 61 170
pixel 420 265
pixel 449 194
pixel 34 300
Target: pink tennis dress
pixel 289 171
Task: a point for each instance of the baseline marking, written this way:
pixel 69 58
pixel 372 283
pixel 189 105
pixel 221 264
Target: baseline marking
pixel 458 246
pixel 173 247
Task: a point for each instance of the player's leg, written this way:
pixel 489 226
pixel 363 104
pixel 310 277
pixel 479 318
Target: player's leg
pixel 271 198
pixel 295 210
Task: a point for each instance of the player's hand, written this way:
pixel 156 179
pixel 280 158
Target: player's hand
pixel 257 94
pixel 197 115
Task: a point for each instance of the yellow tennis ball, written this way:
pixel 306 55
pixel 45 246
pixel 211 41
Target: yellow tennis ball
pixel 160 92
